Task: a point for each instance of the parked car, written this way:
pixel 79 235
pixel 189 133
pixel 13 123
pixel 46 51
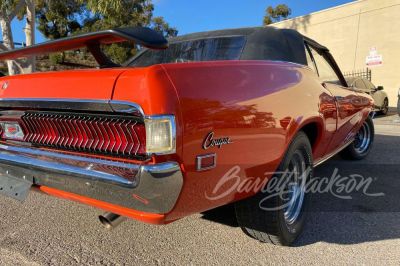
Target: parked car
pixel 398 103
pixel 378 94
pixel 183 127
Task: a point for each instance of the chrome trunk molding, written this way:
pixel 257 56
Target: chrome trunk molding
pixel 126 107
pixel 74 104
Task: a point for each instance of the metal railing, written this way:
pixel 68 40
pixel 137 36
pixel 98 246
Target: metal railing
pixel 365 73
pixel 17 43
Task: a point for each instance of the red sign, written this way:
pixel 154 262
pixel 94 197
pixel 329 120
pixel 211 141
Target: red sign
pixel 374 60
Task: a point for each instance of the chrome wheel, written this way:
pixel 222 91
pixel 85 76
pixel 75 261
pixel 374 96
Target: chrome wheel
pixel 362 140
pixel 385 107
pixel 295 188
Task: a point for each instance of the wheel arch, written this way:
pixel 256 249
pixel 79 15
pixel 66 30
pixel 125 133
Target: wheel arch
pixel 312 132
pixel 380 97
pixel 313 128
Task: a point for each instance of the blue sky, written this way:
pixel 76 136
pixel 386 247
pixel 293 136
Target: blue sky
pixel 193 16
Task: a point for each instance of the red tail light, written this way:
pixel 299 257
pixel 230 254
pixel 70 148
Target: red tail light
pixel 12 130
pixel 88 133
pixel 11 127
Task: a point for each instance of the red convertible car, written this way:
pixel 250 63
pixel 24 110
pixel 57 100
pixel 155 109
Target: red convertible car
pixel 187 125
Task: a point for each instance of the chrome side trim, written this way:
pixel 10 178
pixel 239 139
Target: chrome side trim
pixel 148 188
pixel 330 155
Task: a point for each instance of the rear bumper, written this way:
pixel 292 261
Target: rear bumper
pixel 152 189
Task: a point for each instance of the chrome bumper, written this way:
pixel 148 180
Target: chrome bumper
pixel 147 188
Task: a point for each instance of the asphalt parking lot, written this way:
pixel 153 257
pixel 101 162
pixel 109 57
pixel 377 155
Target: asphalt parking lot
pixel 361 230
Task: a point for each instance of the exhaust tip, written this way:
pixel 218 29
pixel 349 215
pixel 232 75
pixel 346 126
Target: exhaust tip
pixel 104 221
pixel 111 220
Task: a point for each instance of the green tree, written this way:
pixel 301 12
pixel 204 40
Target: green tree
pixel 57 19
pixel 20 9
pixel 60 18
pixel 162 27
pixel 279 13
pixel 104 6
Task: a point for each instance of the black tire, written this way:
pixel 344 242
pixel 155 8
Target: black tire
pixel 385 107
pixel 357 150
pixel 271 226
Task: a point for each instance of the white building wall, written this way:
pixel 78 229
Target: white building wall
pixel 350 30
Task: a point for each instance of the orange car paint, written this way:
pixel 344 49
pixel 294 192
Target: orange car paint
pixel 255 96
pixel 74 84
pixel 259 105
pixel 150 218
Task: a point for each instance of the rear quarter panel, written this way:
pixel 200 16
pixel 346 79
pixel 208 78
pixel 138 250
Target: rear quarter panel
pixel 260 106
pixel 151 88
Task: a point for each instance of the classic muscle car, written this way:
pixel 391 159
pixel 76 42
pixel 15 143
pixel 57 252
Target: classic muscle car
pixel 380 97
pixel 187 125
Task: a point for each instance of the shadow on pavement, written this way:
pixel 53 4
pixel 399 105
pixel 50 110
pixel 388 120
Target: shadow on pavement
pixel 358 218
pixel 224 215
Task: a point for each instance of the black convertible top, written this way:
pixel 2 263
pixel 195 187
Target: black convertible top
pixel 262 43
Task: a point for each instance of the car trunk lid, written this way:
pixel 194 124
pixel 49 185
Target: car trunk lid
pixel 75 84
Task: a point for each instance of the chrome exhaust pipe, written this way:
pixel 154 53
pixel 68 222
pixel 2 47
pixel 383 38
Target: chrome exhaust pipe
pixel 111 220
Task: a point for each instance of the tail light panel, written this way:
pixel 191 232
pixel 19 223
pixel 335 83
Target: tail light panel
pixel 90 133
pixel 113 135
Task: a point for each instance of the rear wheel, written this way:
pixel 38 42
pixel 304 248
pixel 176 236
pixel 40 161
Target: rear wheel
pixel 279 216
pixel 362 143
pixel 385 107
